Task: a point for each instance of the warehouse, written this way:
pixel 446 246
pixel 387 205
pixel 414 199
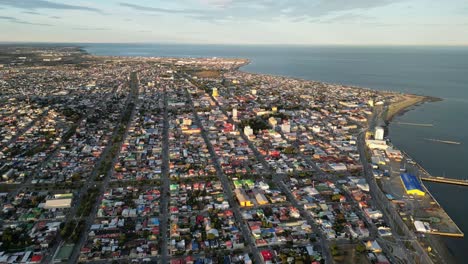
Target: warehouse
pixel 242 197
pixel 261 199
pixel 58 203
pixel 412 184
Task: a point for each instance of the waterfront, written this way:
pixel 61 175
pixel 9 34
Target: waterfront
pixel 438 72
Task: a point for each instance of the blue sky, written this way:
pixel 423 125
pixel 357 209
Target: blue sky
pixel 318 22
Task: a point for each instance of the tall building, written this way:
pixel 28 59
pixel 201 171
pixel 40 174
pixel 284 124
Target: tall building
pixel 215 92
pixel 234 113
pixel 379 133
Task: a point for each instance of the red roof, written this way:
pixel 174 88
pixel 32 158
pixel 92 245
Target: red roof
pixel 36 258
pixel 267 255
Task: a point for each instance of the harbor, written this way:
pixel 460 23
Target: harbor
pixel 418 215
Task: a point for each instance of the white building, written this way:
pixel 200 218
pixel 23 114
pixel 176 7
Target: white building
pixel 248 131
pixel 234 113
pixel 316 129
pixel 286 127
pixel 379 133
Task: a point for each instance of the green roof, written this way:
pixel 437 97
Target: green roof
pixel 64 252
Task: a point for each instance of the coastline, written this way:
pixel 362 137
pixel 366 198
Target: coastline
pixel 406 102
pixel 399 109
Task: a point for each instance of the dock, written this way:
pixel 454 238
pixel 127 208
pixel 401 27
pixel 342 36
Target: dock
pixel 444 141
pixel 427 207
pixel 415 124
pixel 445 180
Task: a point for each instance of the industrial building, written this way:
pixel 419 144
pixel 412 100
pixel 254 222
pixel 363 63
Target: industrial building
pixel 261 199
pixel 412 184
pixel 242 197
pixel 58 203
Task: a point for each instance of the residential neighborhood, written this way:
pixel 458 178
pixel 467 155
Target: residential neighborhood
pixel 172 160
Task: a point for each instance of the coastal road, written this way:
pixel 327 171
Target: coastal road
pixel 389 212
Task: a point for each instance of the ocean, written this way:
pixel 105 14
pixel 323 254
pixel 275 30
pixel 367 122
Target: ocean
pixel 434 71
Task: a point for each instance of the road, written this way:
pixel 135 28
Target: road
pixel 165 195
pixel 129 106
pixel 390 214
pixel 24 129
pixel 278 180
pixel 226 186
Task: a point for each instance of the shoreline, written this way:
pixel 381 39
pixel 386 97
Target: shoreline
pixel 401 107
pixel 406 103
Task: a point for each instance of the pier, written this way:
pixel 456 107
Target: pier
pixel 415 124
pixel 444 141
pixel 445 180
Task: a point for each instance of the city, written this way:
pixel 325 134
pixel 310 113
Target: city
pixel 190 160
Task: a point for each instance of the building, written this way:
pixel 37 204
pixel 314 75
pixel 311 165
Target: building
pixel 286 127
pixel 412 184
pixel 379 133
pixel 58 203
pixel 215 92
pixel 187 122
pixel 234 113
pixel 272 121
pixel 254 92
pixel 376 144
pixel 242 197
pixel 261 199
pixel 248 131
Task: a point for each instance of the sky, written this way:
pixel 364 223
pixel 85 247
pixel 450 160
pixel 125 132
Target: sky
pixel 304 22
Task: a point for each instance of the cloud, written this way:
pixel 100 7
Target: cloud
pixel 348 18
pixel 32 13
pixel 297 10
pixel 91 28
pixel 55 17
pixel 217 3
pixel 44 4
pixel 159 10
pixel 19 21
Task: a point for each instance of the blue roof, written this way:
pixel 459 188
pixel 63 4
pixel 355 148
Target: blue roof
pixel 411 182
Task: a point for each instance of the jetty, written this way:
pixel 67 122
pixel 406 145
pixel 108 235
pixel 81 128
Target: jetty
pixel 445 180
pixel 444 141
pixel 415 124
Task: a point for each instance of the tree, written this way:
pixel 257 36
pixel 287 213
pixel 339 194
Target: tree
pixel 334 250
pixel 360 248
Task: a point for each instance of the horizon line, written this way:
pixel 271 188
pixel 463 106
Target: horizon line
pixel 241 44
